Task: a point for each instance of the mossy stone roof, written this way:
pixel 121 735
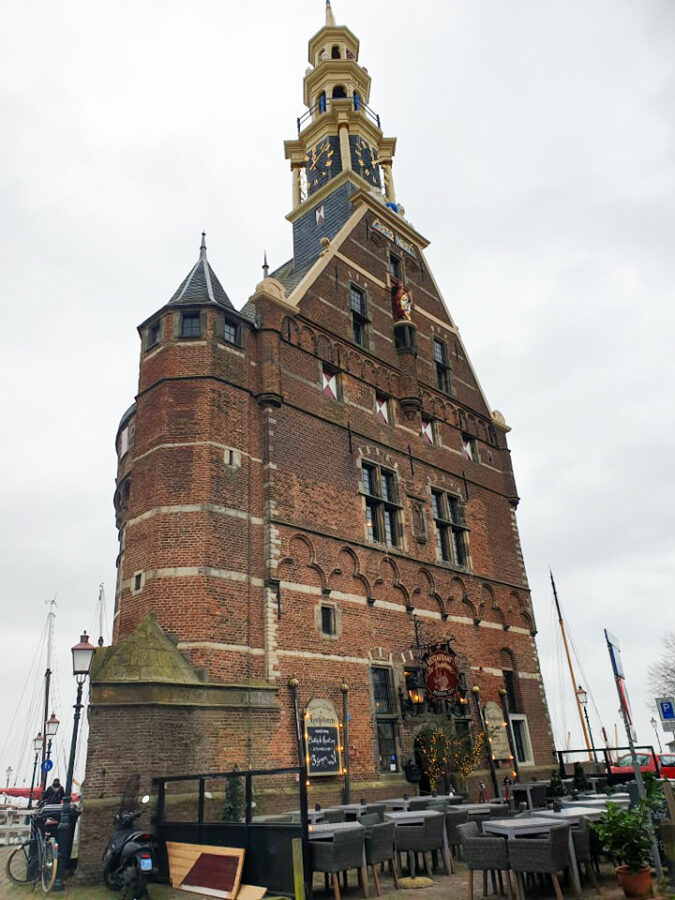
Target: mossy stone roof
pixel 145 655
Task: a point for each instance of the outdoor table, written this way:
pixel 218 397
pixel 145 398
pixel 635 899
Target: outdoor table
pixel 417 818
pixel 571 814
pixel 539 824
pixel 352 811
pixel 624 802
pixel 527 787
pixel 477 807
pixel 399 803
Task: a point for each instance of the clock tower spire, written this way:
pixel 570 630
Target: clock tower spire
pixel 340 147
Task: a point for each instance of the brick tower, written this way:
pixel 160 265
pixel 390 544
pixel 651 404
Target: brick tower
pixel 316 489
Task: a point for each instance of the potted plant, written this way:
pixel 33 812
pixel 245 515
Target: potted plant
pixel 625 835
pixel 581 782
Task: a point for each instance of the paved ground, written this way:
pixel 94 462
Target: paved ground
pixel 443 888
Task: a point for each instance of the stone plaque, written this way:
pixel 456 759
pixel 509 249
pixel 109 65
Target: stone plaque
pixel 494 717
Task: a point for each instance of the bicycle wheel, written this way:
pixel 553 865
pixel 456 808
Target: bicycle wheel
pixel 49 864
pixel 17 865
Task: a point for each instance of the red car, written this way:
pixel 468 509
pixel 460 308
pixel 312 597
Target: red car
pixel 624 765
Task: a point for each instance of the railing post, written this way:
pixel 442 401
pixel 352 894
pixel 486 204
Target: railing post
pixel 200 803
pixel 249 798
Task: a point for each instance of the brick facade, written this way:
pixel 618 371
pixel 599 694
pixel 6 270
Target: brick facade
pixel 241 509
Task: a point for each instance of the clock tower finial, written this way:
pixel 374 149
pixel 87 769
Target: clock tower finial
pixel 340 140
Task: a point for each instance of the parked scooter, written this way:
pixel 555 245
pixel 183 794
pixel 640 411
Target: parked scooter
pixel 128 858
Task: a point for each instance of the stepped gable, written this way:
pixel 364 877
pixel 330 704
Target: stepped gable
pixel 145 655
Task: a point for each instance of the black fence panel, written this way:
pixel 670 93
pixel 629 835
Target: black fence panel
pixel 268 861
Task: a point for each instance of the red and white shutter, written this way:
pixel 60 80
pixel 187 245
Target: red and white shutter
pixel 329 384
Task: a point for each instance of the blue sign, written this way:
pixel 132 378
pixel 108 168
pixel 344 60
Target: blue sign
pixel 47 765
pixel 667 710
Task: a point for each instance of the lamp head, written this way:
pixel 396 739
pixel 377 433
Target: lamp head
pixel 52 726
pixel 83 653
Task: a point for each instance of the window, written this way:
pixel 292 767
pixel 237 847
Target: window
pixel 427 430
pixel 382 409
pixel 450 528
pixel 335 52
pixel 470 448
pixel 152 335
pixel 231 332
pixel 521 740
pixel 328 620
pixel 124 441
pixel 394 266
pixel 138 582
pixel 339 93
pixel 404 336
pixel 510 688
pixel 385 719
pixel 382 506
pixel 329 383
pixel 442 368
pixel 357 301
pixel 190 326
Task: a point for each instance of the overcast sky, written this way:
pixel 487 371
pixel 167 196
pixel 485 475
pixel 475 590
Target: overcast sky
pixel 537 153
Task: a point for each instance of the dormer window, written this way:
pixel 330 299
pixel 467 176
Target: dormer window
pixel 335 52
pixel 339 93
pixel 231 332
pixel 190 326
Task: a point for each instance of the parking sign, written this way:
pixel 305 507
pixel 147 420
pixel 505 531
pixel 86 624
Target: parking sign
pixel 666 707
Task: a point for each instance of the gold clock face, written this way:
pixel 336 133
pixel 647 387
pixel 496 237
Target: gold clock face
pixel 319 161
pixel 366 160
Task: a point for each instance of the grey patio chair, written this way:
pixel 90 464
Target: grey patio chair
pixel 538 793
pixel 380 849
pixel 378 808
pixel 412 839
pixel 334 815
pixel 418 803
pixel 581 837
pixel 454 818
pixel 344 852
pixel 369 819
pixel 546 856
pixel 484 854
pixel 478 816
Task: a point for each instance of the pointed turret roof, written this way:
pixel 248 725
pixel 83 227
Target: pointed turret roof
pixel 201 284
pixel 330 18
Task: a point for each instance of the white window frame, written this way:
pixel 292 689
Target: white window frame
pixel 520 717
pixel 124 441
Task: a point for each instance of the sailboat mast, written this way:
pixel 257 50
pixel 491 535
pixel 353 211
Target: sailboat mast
pixel 48 677
pixel 569 663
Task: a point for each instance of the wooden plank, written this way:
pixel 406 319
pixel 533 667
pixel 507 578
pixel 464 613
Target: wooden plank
pixel 298 869
pixel 251 892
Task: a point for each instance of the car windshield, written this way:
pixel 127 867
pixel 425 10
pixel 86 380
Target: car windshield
pixel 627 760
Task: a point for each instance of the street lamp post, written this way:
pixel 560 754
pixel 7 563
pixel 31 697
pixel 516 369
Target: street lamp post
pixel 51 727
pixel 37 747
pixel 344 688
pixel 582 697
pixel 652 722
pixel 83 653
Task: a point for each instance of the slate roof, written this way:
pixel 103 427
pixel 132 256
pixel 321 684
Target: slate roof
pixel 289 276
pixel 146 655
pixel 201 284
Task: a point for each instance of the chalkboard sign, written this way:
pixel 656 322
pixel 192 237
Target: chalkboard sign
pixel 322 739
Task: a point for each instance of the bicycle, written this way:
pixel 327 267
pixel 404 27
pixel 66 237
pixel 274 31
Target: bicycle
pixel 37 858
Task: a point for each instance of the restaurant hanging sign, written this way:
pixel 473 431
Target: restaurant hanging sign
pixel 323 754
pixel 442 674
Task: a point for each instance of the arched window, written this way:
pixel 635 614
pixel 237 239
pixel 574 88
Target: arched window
pixel 322 102
pixel 339 92
pixel 357 101
pixel 335 52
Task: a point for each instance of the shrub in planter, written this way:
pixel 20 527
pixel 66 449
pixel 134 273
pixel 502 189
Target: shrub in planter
pixel 625 835
pixel 556 787
pixel 581 783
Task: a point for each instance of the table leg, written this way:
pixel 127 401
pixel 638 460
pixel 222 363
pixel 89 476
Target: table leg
pixel 574 866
